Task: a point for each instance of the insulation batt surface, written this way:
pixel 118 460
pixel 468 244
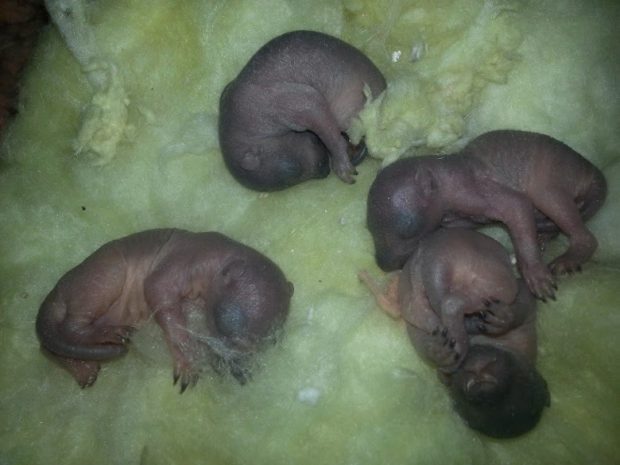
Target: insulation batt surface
pixel 344 385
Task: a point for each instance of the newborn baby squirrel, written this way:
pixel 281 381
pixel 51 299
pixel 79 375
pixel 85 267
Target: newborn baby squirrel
pixel 469 317
pixel 283 119
pixel 215 299
pixel 535 185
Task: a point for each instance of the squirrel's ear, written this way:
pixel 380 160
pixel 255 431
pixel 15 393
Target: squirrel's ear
pixel 250 161
pixel 233 270
pixel 425 181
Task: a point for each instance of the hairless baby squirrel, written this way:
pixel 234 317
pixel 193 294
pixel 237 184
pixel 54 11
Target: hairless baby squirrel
pixel 283 119
pixel 470 318
pixel 535 185
pixel 215 299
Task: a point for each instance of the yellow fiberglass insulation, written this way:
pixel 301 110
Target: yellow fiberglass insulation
pixel 117 133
